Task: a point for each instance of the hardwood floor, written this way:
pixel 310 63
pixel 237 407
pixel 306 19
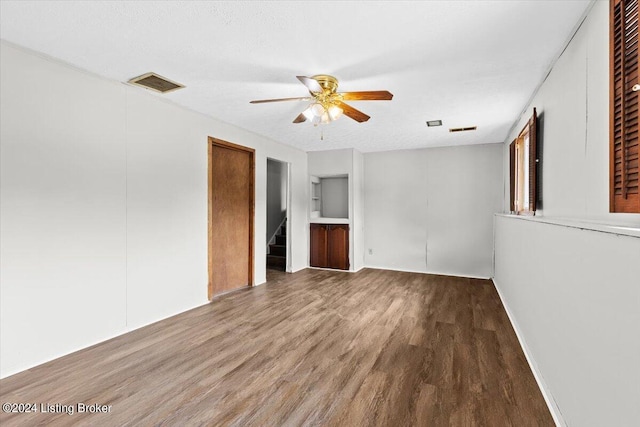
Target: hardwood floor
pixel 311 348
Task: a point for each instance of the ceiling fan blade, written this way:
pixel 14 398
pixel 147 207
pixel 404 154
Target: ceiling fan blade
pixel 261 101
pixel 311 84
pixel 371 95
pixel 301 118
pixel 351 112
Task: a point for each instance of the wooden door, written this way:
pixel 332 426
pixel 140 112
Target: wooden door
pixel 231 216
pixel 338 247
pixel 318 244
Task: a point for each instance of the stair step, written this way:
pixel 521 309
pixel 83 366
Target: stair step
pixel 279 250
pixel 276 262
pixel 281 239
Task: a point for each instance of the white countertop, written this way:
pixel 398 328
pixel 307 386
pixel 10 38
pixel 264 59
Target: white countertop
pixel 320 220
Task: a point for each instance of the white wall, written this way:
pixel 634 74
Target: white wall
pixel 574 128
pixel 431 210
pixel 574 294
pixel 395 203
pixel 334 197
pixel 103 207
pixel 62 211
pixel 575 297
pixel 357 223
pixel 331 162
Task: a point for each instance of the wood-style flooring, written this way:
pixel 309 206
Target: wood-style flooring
pixel 312 348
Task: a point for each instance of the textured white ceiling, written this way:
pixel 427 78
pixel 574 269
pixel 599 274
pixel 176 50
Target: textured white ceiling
pixel 464 62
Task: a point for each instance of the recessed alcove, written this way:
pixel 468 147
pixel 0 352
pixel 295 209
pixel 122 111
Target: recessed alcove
pixel 330 196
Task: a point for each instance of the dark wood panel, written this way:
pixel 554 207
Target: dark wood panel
pixel 338 247
pixel 533 161
pixel 623 102
pixel 316 347
pixel 512 176
pixel 318 245
pixel 231 205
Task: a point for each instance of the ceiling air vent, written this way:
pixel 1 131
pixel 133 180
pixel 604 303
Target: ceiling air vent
pixel 463 129
pixel 156 83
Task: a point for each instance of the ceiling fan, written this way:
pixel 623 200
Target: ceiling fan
pixel 327 104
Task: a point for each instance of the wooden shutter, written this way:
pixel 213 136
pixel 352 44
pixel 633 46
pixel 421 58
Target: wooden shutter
pixel 533 161
pixel 623 154
pixel 518 170
pixel 512 175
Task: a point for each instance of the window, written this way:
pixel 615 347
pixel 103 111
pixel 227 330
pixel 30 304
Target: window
pixel 623 141
pixel 523 165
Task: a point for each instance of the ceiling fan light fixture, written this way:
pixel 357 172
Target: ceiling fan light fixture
pixel 317 109
pixel 308 113
pixel 327 104
pixel 334 112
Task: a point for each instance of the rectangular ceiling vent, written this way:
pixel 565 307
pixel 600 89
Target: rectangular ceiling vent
pixel 463 129
pixel 156 83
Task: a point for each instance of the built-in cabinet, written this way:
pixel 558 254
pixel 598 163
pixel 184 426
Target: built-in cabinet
pixel 329 245
pixel 336 209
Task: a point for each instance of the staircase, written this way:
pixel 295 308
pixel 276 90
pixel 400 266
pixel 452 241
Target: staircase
pixel 277 257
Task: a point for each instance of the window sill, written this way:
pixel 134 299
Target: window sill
pixel 617 229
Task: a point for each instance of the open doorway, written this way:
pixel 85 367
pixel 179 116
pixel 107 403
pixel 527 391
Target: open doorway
pixel 278 248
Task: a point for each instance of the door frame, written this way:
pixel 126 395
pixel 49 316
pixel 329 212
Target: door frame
pixel 252 201
pixel 287 267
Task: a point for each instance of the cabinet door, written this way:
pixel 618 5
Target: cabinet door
pixel 318 245
pixel 338 247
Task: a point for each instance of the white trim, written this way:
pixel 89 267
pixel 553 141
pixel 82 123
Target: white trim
pixel 542 385
pixel 105 338
pixel 435 273
pixel 337 270
pixel 289 260
pixel 628 230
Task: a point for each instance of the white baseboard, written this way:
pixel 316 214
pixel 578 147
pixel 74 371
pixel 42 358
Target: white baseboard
pixel 336 270
pixel 542 385
pixel 437 273
pixel 114 334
